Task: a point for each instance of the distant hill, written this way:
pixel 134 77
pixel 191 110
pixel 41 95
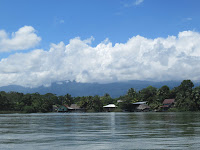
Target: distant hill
pixel 85 89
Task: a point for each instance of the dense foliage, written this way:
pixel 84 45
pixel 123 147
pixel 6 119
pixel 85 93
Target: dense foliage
pixel 187 98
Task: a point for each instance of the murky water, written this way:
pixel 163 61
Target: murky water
pixel 100 131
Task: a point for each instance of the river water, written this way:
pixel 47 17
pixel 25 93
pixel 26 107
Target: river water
pixel 100 131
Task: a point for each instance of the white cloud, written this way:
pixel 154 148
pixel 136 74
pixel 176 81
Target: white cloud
pixel 23 39
pixel 138 2
pixel 140 58
pixel 133 3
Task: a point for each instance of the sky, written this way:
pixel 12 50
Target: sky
pixel 103 41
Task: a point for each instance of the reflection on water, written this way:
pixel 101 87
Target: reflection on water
pixel 100 131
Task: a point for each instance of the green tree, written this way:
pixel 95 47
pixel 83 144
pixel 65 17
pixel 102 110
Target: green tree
pixel 83 102
pixel 132 93
pixel 97 104
pixel 186 86
pixel 163 93
pixel 196 99
pixel 106 99
pixel 37 102
pixel 4 103
pixel 184 100
pixel 68 99
pixel 148 94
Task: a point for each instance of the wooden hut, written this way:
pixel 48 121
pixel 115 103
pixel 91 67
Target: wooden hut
pixel 75 108
pixel 168 103
pixel 140 106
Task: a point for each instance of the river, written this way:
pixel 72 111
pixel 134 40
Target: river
pixel 100 131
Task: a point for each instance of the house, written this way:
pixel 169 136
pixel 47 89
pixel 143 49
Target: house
pixel 63 108
pixel 66 108
pixel 140 106
pixel 75 108
pixel 143 107
pixel 110 107
pixel 167 103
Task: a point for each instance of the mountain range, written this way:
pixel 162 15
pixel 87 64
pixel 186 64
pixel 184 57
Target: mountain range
pixel 90 89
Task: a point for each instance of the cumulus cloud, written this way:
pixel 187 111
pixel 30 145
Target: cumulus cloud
pixel 23 39
pixel 140 58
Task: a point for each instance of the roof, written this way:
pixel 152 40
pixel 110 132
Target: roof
pixel 143 106
pixel 139 103
pixel 74 106
pixel 110 106
pixel 168 101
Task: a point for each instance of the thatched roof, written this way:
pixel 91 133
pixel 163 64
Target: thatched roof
pixel 143 106
pixel 168 101
pixel 74 106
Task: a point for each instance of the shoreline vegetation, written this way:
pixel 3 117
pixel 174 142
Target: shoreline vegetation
pixel 186 96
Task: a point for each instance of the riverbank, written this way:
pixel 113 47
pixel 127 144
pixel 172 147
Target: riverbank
pixel 11 112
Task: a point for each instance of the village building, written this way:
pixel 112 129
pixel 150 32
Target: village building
pixel 62 108
pixel 140 107
pixel 75 108
pixel 66 108
pixel 168 103
pixel 110 107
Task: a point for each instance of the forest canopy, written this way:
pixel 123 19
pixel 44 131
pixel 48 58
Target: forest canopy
pixel 187 98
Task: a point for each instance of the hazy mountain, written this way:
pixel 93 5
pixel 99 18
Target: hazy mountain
pixel 86 89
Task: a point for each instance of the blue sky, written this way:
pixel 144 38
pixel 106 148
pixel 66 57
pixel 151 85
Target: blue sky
pixel 118 21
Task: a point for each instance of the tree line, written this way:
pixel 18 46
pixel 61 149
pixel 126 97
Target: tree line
pixel 187 98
